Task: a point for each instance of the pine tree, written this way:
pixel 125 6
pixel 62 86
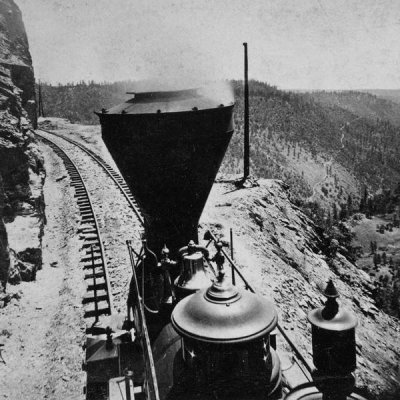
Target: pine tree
pixel 328 219
pixel 349 204
pixel 364 199
pixel 370 208
pixel 334 212
pixel 343 211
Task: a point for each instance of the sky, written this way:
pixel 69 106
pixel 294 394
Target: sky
pixel 293 44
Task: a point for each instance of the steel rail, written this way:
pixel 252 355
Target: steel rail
pixel 114 175
pixel 87 213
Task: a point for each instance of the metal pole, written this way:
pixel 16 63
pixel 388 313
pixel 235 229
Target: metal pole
pixel 232 267
pixel 246 156
pixel 143 261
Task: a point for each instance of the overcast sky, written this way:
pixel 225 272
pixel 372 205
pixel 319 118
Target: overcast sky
pixel 309 44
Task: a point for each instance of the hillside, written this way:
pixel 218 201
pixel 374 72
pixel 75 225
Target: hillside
pixel 323 151
pixel 388 94
pixel 371 105
pixel 282 253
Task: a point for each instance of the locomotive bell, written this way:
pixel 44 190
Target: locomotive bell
pixel 225 340
pixel 193 276
pixel 333 336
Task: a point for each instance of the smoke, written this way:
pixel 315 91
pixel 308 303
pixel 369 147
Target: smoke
pixel 218 91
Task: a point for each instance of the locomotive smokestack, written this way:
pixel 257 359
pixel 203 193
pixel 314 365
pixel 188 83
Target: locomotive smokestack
pixel 246 117
pixel 169 146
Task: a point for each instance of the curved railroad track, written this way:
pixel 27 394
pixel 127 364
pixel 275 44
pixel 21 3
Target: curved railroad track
pixel 98 300
pixel 115 176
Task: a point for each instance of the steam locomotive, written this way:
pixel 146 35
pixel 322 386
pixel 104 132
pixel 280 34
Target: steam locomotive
pixel 193 334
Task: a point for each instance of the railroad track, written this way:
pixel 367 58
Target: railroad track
pixel 115 176
pixel 98 300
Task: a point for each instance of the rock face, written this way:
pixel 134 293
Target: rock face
pixel 21 165
pixel 17 88
pixel 284 256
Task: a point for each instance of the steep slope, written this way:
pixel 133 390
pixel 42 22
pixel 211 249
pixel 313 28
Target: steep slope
pixel 283 254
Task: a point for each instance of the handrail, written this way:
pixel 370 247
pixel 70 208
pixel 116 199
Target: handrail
pixel 150 385
pixel 210 236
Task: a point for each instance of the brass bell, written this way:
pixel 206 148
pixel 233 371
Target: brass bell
pixel 193 276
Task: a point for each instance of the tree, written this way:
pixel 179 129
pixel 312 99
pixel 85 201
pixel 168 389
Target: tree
pixel 370 207
pixel 343 212
pixel 334 212
pixel 349 205
pixel 329 219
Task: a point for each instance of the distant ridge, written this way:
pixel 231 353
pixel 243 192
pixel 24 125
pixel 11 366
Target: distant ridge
pixel 388 94
pixel 362 103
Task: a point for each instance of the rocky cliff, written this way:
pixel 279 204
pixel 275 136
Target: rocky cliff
pixel 18 82
pixel 21 165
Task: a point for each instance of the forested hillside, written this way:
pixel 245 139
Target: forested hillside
pixel 388 94
pixel 363 104
pixel 322 150
pixel 305 131
pixel 77 102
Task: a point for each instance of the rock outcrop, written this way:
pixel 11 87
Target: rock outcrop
pixel 21 165
pixel 17 89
